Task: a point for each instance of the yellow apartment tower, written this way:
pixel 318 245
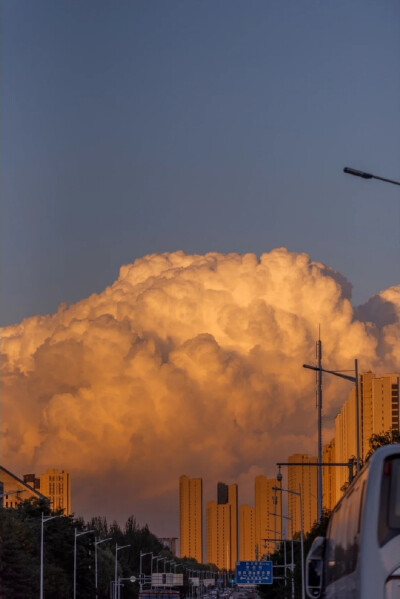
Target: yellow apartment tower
pixel 329 477
pixel 378 413
pixel 304 477
pixel 247 525
pixel 219 535
pixel 56 485
pixel 267 526
pixel 222 527
pixel 190 515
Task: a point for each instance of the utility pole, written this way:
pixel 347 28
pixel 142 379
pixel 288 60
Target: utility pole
pixel 319 404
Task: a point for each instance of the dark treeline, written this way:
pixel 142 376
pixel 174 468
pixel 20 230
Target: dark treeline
pixel 20 534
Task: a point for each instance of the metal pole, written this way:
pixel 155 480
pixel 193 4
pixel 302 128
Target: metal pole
pixel 97 542
pixel 116 571
pixel 95 564
pixel 75 564
pixel 292 568
pixel 284 561
pixel 140 572
pixel 41 559
pixel 275 516
pixel 319 395
pixel 357 414
pixel 303 593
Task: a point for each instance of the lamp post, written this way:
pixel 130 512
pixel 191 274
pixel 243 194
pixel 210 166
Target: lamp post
pixel 117 548
pixel 44 520
pixel 97 542
pixel 364 175
pixel 78 534
pixel 299 495
pixel 141 576
pixel 353 379
pixel 159 559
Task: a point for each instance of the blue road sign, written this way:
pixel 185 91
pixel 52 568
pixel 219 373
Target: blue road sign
pixel 254 573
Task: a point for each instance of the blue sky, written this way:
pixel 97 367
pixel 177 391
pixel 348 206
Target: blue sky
pixel 144 126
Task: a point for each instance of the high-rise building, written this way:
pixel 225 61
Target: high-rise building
pixel 329 476
pixel 247 533
pixel 222 527
pixel 219 534
pixel 378 413
pixel 304 478
pixel 190 512
pixel 268 509
pixel 13 490
pixel 56 485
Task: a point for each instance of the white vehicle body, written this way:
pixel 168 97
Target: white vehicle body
pixel 360 557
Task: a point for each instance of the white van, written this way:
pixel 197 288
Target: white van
pixel 360 556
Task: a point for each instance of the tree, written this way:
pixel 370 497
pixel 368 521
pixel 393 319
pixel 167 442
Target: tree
pixel 384 438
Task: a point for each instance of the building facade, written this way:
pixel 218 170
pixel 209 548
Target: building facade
pixel 13 490
pixel 222 527
pixel 329 476
pixel 190 517
pixel 56 485
pixel 247 525
pixel 302 477
pixel 378 413
pixel 268 509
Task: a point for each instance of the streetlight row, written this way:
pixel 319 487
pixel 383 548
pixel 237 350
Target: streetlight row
pixel 76 535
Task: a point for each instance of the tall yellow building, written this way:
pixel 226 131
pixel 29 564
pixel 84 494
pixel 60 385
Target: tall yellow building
pixel 304 477
pixel 329 476
pixel 267 503
pixel 378 412
pixel 219 535
pixel 56 485
pixel 190 515
pixel 222 527
pixel 228 494
pixel 247 524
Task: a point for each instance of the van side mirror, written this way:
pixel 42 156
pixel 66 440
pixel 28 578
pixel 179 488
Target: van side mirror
pixel 314 568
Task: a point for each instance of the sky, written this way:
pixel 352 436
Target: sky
pixel 169 140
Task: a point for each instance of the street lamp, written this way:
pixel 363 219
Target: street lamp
pixel 117 548
pixel 78 534
pixel 141 575
pixel 159 559
pixel 97 542
pixel 41 549
pixel 298 493
pixel 363 175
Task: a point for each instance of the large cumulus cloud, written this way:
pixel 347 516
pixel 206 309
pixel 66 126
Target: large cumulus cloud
pixel 185 364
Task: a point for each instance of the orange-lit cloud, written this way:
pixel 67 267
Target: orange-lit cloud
pixel 186 364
